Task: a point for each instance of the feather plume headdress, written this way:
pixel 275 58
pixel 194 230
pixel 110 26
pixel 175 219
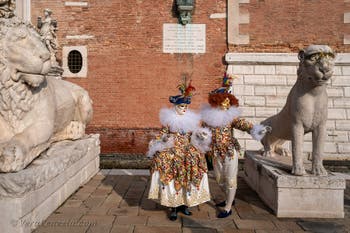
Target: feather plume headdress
pixel 217 96
pixel 227 84
pixel 186 91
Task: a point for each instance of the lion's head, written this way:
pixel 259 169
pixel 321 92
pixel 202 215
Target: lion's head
pixel 21 49
pixel 316 64
pixel 24 61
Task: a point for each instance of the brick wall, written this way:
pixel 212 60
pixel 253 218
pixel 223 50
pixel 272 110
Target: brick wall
pixel 289 25
pixel 262 88
pixel 129 78
pixel 125 141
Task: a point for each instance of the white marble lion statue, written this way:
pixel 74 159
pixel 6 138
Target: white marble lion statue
pixel 305 110
pixel 35 110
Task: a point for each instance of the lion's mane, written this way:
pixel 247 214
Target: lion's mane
pixel 16 97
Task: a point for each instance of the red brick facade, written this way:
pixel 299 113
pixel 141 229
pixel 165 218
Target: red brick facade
pixel 289 25
pixel 130 78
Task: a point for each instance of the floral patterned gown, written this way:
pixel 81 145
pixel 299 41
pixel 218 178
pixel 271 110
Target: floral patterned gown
pixel 179 171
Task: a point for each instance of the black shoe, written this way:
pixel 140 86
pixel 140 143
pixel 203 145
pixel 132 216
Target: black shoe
pixel 224 214
pixel 184 209
pixel 223 204
pixel 173 214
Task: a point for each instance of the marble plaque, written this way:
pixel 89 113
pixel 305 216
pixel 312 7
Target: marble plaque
pixel 184 39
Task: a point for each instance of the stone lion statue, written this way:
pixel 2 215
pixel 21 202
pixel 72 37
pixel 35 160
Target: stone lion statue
pixel 305 110
pixel 35 110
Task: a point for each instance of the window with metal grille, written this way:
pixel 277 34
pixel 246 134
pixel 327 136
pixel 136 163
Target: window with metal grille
pixel 75 61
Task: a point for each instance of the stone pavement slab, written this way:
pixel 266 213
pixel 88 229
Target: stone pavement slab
pixel 254 224
pixel 135 220
pixel 163 221
pixel 289 225
pixel 61 229
pixel 102 223
pixel 124 211
pixel 198 230
pixel 322 227
pixel 230 230
pixel 273 231
pixel 122 229
pixel 153 229
pixel 115 201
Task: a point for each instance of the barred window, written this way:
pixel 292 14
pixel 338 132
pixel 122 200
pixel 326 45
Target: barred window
pixel 75 61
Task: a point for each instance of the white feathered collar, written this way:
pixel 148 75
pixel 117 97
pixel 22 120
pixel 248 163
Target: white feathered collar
pixel 179 123
pixel 216 117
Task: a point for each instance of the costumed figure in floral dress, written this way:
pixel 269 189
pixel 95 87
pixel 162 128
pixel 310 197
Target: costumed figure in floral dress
pixel 222 116
pixel 179 170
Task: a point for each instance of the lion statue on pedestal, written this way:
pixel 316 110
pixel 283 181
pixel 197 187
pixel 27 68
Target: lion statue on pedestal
pixel 35 110
pixel 305 111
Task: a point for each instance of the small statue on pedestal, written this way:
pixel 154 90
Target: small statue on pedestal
pixel 47 30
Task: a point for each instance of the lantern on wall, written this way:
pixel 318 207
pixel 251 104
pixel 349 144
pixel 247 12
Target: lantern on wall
pixel 185 9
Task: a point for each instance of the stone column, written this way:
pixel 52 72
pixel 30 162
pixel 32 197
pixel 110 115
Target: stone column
pixel 23 9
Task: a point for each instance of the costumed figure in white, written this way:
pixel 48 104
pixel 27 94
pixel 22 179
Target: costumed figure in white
pixel 222 116
pixel 179 170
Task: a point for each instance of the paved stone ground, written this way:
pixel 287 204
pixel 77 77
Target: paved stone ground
pixel 113 203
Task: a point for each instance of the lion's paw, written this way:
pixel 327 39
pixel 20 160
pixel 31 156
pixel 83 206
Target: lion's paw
pixel 12 156
pixel 319 170
pixel 269 153
pixel 283 151
pixel 298 170
pixel 75 130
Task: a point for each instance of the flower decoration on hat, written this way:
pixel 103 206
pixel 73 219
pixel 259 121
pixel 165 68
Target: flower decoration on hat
pixel 224 93
pixel 186 94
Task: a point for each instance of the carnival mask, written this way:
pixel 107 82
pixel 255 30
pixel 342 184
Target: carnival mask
pixel 225 104
pixel 180 109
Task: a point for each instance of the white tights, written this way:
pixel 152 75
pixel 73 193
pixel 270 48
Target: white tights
pixel 230 197
pixel 226 175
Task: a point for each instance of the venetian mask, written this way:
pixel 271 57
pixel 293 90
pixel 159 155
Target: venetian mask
pixel 225 104
pixel 181 109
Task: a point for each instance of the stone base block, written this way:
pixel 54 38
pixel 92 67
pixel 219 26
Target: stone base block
pixel 28 197
pixel 294 196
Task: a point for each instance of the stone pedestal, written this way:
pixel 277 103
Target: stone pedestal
pixel 28 197
pixel 294 196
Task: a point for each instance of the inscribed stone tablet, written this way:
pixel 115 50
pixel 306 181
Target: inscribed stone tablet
pixel 183 39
